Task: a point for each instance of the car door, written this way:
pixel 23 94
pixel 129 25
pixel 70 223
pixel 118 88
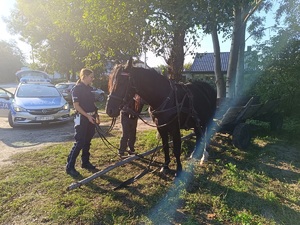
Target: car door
pixel 6 98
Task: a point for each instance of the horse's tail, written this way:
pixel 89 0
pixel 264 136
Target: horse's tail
pixel 205 99
pixel 211 94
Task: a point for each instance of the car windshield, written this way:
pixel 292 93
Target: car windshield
pixel 61 86
pixel 36 91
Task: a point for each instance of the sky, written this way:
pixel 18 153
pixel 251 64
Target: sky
pixel 206 45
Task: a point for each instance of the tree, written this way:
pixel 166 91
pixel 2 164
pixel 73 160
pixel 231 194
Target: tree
pixel 280 61
pixel 107 29
pixel 230 18
pixel 242 11
pixel 68 33
pixel 218 16
pixel 11 60
pixel 169 23
pixel 53 47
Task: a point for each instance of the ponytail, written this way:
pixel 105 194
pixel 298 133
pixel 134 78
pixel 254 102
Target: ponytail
pixel 78 81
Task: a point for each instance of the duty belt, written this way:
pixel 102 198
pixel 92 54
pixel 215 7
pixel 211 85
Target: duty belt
pixel 91 113
pixel 130 116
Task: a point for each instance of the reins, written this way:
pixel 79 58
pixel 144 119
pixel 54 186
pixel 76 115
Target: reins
pixel 104 139
pixel 144 172
pixel 113 122
pixel 110 146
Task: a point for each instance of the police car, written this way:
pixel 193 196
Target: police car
pixel 6 98
pixel 35 100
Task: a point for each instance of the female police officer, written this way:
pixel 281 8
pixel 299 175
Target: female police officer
pixel 86 113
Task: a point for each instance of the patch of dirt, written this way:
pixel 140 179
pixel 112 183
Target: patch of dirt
pixel 36 137
pixel 142 126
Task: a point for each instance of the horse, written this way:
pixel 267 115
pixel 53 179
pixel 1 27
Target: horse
pixel 173 106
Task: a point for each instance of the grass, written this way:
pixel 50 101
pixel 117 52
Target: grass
pixel 257 186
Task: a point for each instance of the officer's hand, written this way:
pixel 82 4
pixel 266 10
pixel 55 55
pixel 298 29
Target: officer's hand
pixel 91 119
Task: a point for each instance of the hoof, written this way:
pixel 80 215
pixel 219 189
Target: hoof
pixel 192 156
pixel 178 173
pixel 165 170
pixel 204 158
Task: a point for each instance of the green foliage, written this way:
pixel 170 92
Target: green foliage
pixel 101 83
pixel 187 66
pixel 67 35
pixel 291 126
pixel 53 46
pixel 280 64
pixel 11 60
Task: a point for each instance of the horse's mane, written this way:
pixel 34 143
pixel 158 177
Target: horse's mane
pixel 155 71
pixel 148 72
pixel 112 76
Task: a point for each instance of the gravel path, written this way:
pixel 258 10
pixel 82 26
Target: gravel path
pixel 29 138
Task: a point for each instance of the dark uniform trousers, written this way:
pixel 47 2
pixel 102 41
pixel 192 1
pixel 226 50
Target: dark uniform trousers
pixel 83 136
pixel 129 124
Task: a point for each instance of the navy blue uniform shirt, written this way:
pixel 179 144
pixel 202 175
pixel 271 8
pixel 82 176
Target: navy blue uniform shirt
pixel 83 94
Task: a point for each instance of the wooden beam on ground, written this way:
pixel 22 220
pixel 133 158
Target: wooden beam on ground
pixel 120 163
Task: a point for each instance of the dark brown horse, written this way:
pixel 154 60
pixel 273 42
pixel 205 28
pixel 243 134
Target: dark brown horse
pixel 172 106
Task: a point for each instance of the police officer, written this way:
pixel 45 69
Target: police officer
pixel 85 119
pixel 129 117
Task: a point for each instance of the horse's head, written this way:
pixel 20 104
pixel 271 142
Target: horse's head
pixel 120 89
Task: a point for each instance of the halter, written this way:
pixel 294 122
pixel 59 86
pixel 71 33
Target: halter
pixel 123 101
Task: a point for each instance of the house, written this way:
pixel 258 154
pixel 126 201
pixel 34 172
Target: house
pixel 140 63
pixel 203 65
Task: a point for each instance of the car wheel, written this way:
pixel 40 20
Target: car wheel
pixel 10 120
pixel 101 98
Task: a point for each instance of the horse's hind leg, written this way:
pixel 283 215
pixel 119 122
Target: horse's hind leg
pixel 165 141
pixel 200 148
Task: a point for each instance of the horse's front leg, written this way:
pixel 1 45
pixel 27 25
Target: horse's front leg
pixel 177 149
pixel 165 141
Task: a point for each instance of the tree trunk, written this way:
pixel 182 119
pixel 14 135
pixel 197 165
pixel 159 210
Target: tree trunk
pixel 220 82
pixel 234 50
pixel 176 58
pixel 235 74
pixel 239 85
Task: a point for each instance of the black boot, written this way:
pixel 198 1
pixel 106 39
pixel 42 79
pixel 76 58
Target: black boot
pixel 88 165
pixel 71 171
pixel 70 167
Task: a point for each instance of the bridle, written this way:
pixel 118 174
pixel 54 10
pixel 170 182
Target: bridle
pixel 129 90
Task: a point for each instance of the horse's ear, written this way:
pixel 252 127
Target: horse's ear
pixel 128 65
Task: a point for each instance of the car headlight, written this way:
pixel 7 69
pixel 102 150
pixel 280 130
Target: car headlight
pixel 66 106
pixel 19 108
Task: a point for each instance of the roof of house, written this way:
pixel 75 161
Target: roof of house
pixel 204 62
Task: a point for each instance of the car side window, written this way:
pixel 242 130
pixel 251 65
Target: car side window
pixel 5 94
